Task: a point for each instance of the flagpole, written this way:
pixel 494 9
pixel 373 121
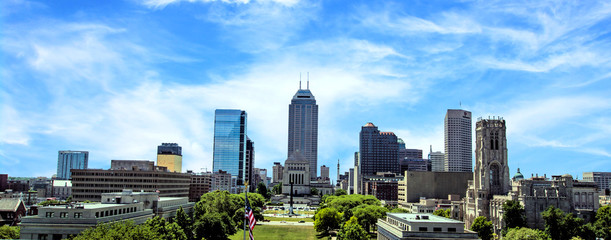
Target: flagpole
pixel 245 207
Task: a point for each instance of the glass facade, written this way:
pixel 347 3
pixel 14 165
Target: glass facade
pixel 67 160
pixel 230 142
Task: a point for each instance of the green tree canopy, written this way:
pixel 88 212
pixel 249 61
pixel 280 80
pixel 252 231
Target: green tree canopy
pixel 184 221
pixel 603 222
pixel 7 232
pixel 262 190
pixel 443 213
pixel 352 230
pixel 483 227
pixel 327 219
pixel 277 189
pixel 561 226
pixel 314 191
pixel 368 215
pixel 119 230
pixel 400 210
pixel 513 214
pixel 340 192
pixel 214 225
pixel 525 234
pixel 165 230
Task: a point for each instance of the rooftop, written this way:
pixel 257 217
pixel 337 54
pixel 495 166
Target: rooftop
pixel 422 217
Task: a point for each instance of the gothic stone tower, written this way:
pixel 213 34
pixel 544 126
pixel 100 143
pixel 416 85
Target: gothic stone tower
pixel 491 175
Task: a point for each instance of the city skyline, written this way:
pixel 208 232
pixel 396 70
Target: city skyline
pixel 117 78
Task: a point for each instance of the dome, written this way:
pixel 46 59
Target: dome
pixel 369 124
pixel 518 176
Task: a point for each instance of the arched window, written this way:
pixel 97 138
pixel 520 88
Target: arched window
pixel 495 178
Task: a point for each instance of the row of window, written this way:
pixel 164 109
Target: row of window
pixel 63 215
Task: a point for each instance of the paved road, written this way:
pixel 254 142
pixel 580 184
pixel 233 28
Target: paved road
pixel 285 223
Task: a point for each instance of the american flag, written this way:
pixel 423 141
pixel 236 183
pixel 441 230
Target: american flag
pixel 250 216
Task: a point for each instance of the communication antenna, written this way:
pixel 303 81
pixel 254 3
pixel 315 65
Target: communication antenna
pixel 299 80
pixel 308 81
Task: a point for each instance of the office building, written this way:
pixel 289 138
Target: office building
pixel 303 127
pixel 457 139
pixel 324 173
pixel 90 184
pixel 136 165
pixel 378 151
pixel 383 185
pixel 223 181
pixel 3 182
pixel 170 155
pixel 200 184
pixel 230 143
pixel 63 221
pixel 403 226
pixel 602 180
pixel 436 159
pixel 277 171
pixel 67 160
pixel 432 185
pixel 250 165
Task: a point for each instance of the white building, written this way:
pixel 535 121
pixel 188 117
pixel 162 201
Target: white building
pixel 400 226
pixel 457 140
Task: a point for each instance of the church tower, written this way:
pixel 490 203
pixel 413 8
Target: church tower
pixel 491 173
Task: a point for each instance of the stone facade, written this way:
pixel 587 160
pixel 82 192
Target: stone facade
pixel 491 175
pixel 296 170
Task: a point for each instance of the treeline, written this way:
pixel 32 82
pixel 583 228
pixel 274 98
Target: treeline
pixel 216 215
pixel 354 215
pixel 558 225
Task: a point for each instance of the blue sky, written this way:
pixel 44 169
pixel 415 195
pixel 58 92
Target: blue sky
pixel 117 78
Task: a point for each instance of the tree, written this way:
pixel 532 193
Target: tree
pixel 513 215
pixel 443 213
pixel 277 189
pixel 561 226
pixel 525 234
pixel 327 219
pixel 166 230
pixel 603 222
pixel 262 190
pixel 368 215
pixel 214 225
pixel 483 227
pixel 119 230
pixel 7 232
pixel 183 220
pixel 340 192
pixel 353 230
pixel 400 210
pixel 314 191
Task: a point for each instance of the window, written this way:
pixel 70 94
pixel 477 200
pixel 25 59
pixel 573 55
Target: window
pixel 63 214
pixel 451 229
pixel 422 229
pixel 437 229
pixel 49 215
pixel 79 215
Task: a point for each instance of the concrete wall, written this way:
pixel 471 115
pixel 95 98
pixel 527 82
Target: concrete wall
pixel 435 184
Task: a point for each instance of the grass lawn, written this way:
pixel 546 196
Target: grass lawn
pixel 289 219
pixel 279 232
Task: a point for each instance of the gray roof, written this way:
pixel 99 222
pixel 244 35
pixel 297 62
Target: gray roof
pixel 9 204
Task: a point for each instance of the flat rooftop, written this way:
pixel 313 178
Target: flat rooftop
pixel 418 217
pixel 88 206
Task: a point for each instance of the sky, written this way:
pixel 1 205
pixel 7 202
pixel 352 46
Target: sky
pixel 118 78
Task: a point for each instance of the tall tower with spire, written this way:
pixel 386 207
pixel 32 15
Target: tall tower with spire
pixel 303 127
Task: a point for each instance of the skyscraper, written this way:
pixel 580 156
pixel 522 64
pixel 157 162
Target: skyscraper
pixel 67 160
pixel 229 150
pixel 324 173
pixel 303 127
pixel 378 151
pixel 250 164
pixel 170 155
pixel 457 136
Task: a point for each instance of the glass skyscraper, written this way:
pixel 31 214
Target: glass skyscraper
pixel 67 160
pixel 303 127
pixel 230 143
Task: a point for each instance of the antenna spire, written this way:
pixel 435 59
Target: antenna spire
pixel 299 80
pixel 308 81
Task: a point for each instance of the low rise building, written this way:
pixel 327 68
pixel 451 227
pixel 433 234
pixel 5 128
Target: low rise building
pixel 432 185
pixel 59 222
pixel 224 181
pixel 402 226
pixel 200 184
pixel 11 211
pixel 60 189
pixel 90 184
